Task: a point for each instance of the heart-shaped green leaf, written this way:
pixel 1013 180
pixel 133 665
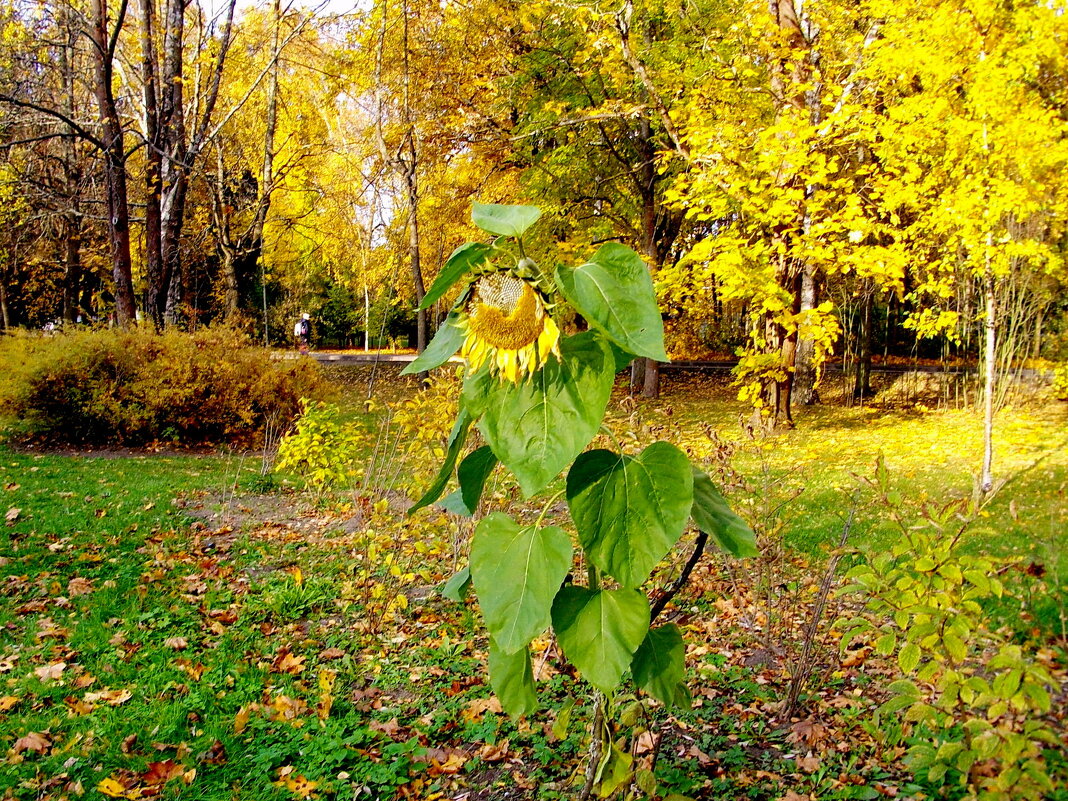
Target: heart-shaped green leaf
pixel 445 343
pixel 614 292
pixel 630 510
pixel 456 444
pixel 660 663
pixel 713 516
pixel 517 573
pixel 504 220
pixel 512 680
pixel 538 426
pixel 461 261
pixel 599 631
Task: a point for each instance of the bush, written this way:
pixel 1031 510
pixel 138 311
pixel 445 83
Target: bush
pixel 134 387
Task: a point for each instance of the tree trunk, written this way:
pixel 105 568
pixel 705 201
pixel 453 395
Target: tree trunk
pixel 5 317
pixel 805 374
pixel 862 382
pixel 989 374
pixel 157 291
pixel 103 52
pixel 413 246
pixel 72 176
pixel 72 267
pixel 263 200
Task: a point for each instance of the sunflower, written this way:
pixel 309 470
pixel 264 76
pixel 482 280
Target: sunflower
pixel 507 326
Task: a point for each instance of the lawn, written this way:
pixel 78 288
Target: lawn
pixel 180 626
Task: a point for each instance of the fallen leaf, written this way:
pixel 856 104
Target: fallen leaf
pixel 112 788
pixel 8 702
pixel 298 785
pixel 12 515
pixel 241 718
pixel 195 671
pixel 49 672
pixel 285 662
pixel 79 586
pixel 809 764
pixel 477 707
pixel 331 653
pixel 162 772
pixel 38 742
pixel 216 755
pixel 494 753
pixel 109 697
pixel 176 643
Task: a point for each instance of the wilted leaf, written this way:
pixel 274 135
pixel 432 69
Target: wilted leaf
pixel 49 672
pixel 285 662
pixel 109 697
pixel 162 772
pixel 79 586
pixel 37 742
pixel 177 643
pixel 8 702
pixel 12 515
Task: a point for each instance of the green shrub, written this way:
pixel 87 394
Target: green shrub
pixel 134 387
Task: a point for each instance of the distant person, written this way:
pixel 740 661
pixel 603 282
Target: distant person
pixel 302 333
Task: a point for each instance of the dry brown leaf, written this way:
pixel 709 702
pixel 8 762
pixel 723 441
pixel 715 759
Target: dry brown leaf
pixel 77 706
pixel 49 672
pixel 79 586
pixel 176 643
pixel 477 707
pixel 37 742
pixel 494 753
pixel 12 515
pixel 8 702
pixel 109 697
pixel 162 772
pixel 331 653
pixel 285 662
pixel 809 763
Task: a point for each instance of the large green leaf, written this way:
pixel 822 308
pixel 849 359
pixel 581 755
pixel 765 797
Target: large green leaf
pixel 614 292
pixel 472 474
pixel 599 631
pixel 512 680
pixel 538 426
pixel 456 444
pixel 713 516
pixel 517 572
pixel 461 261
pixel 630 510
pixel 504 220
pixel 445 343
pixel 660 663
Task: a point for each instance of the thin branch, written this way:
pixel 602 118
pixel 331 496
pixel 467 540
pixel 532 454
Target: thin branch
pixel 59 115
pixel 684 576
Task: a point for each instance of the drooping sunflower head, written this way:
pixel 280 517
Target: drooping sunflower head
pixel 507 326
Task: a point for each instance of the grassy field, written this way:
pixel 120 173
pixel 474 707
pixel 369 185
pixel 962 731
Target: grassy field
pixel 175 626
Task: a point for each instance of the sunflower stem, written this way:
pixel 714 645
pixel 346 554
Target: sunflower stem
pixel 546 507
